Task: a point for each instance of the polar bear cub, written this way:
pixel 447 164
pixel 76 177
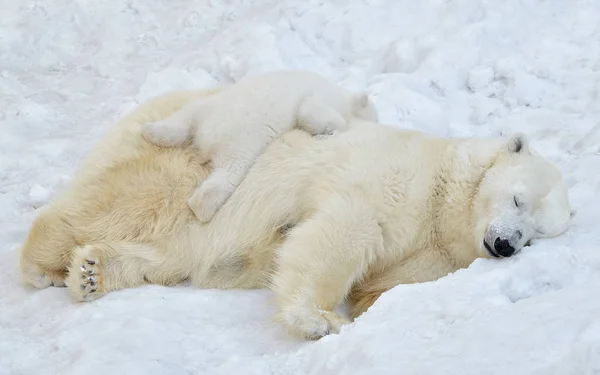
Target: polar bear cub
pixel 233 127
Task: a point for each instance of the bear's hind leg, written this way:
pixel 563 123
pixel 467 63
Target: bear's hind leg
pixel 320 261
pixel 35 276
pixel 99 268
pixel 45 254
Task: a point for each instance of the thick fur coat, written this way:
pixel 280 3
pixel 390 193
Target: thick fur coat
pixel 231 129
pixel 319 221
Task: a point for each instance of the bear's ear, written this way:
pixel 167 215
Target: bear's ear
pixel 360 99
pixel 518 144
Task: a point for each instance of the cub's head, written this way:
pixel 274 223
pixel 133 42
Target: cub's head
pixel 520 198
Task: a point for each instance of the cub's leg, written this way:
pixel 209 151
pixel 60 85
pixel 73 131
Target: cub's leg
pixel 176 129
pixel 99 268
pixel 320 261
pixel 318 118
pixel 230 165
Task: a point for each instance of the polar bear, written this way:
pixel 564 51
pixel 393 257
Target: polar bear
pixel 319 221
pixel 235 126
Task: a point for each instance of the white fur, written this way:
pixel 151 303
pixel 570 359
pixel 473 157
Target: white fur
pixel 516 211
pixel 318 221
pixel 234 127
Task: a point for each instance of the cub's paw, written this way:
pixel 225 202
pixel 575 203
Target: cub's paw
pixel 86 279
pixel 208 199
pixel 202 208
pixel 151 131
pixel 312 324
pixel 164 133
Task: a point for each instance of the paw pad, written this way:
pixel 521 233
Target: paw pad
pixel 91 279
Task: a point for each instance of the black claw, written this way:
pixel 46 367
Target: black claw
pixel 93 290
pixel 90 262
pixel 315 335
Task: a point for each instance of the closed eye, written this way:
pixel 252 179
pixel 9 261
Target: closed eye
pixel 517 202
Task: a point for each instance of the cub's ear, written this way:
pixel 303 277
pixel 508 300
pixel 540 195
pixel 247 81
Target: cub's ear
pixel 518 144
pixel 360 99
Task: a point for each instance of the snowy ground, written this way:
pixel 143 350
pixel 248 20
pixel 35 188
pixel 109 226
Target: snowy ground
pixel 70 68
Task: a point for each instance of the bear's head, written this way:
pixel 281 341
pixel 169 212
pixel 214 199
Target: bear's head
pixel 521 197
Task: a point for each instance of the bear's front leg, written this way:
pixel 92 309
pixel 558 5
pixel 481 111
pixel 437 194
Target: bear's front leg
pixel 320 261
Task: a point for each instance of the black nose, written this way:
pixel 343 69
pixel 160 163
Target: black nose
pixel 503 248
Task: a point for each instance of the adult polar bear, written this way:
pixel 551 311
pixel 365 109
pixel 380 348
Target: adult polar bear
pixel 317 220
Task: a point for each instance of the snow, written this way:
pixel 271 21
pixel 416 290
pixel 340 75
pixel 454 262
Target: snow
pixel 69 69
